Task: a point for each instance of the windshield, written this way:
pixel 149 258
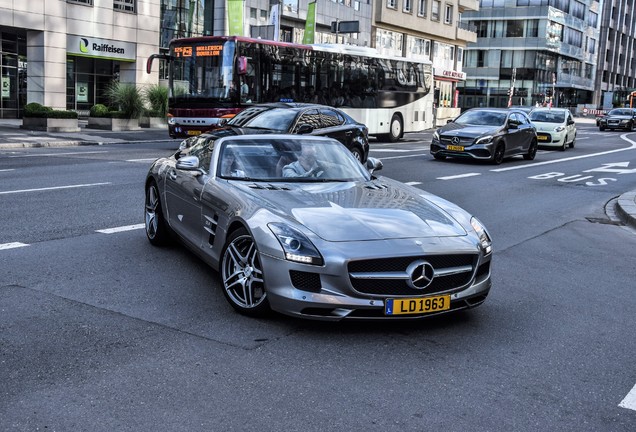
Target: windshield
pixel 547 116
pixel 291 159
pixel 202 71
pixel 622 112
pixel 482 118
pixel 275 119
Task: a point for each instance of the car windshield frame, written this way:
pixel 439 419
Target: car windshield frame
pixel 482 118
pixel 264 160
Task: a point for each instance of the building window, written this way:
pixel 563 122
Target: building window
pixel 532 28
pixel 85 2
pixel 448 14
pixel 514 28
pixel 356 5
pixel 391 4
pixel 578 10
pixel 591 46
pixel 592 19
pixel 435 6
pixel 253 13
pixel 421 8
pixel 408 7
pixel 263 15
pixel 124 5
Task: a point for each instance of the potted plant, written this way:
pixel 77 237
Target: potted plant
pixel 128 107
pixel 43 118
pixel 157 97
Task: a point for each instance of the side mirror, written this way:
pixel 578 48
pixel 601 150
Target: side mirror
pixel 449 121
pixel 512 125
pixel 188 163
pixel 304 129
pixel 374 164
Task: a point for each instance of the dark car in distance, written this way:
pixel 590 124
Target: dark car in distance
pixel 618 118
pixel 294 118
pixel 490 134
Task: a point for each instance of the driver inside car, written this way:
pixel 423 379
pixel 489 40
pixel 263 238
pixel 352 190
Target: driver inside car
pixel 306 166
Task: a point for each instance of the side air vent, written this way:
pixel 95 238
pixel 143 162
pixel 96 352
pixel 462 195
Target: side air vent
pixel 268 186
pixel 376 186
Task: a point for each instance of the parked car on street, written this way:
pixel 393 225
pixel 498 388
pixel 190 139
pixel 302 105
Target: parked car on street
pixel 294 118
pixel 322 237
pixel 491 134
pixel 619 118
pixel 555 127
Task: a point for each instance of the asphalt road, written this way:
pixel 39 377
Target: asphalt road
pixel 101 331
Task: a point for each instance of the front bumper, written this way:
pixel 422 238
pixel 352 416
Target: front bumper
pixel 328 293
pixel 468 150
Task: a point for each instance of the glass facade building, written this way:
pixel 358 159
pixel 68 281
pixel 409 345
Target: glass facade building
pixel 546 49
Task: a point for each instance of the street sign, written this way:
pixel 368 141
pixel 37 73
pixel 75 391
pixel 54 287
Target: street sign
pixel 345 26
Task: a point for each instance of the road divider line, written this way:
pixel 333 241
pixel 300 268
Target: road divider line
pixel 58 154
pixel 121 229
pixel 402 157
pixel 7 170
pixel 414 183
pixel 630 400
pixel 142 160
pixel 53 188
pixel 458 176
pixel 12 245
pixel 535 164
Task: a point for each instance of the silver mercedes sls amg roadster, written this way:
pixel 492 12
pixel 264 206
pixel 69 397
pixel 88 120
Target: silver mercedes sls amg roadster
pixel 297 225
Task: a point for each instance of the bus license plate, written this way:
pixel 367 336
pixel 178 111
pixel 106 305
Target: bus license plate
pixel 194 132
pixel 455 148
pixel 421 305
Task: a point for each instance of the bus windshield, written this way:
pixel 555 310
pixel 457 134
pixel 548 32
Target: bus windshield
pixel 202 72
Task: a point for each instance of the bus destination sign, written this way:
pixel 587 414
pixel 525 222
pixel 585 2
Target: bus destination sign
pixel 199 50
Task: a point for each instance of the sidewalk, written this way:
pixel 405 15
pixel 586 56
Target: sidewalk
pixel 13 137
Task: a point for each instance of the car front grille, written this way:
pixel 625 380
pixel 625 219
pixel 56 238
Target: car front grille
pixel 389 277
pixel 448 140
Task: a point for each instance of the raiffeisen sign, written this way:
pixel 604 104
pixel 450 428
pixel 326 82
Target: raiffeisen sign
pixel 100 48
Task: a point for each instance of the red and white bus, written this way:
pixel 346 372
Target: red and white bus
pixel 214 77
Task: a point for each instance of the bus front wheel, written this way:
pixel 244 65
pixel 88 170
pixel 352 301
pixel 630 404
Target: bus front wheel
pixel 395 129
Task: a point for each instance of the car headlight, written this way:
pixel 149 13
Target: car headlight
pixel 171 120
pixel 559 129
pixel 296 245
pixel 484 238
pixel 436 136
pixel 485 140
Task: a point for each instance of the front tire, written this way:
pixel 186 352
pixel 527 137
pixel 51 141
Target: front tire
pixel 157 229
pixel 357 153
pixel 242 275
pixel 498 155
pixel 573 141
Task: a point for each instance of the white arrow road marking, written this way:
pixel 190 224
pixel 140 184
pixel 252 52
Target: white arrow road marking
pixel 53 188
pixel 458 176
pixel 610 167
pixel 121 229
pixel 630 400
pixel 12 245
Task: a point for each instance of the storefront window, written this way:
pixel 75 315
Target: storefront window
pixel 87 80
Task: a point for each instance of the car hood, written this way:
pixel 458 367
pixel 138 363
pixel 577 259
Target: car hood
pixel 454 129
pixel 355 211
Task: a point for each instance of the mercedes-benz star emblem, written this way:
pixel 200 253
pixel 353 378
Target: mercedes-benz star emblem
pixel 421 274
pixel 455 140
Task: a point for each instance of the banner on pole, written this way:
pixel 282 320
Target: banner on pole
pixel 310 24
pixel 274 19
pixel 235 17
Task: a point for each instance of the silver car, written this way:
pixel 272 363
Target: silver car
pixel 297 225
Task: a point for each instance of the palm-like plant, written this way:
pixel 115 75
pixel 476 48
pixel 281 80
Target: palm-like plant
pixel 127 98
pixel 157 97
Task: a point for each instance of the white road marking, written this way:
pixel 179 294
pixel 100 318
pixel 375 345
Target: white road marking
pixel 402 157
pixel 413 183
pixel 53 188
pixel 57 154
pixel 395 150
pixel 121 229
pixel 458 176
pixel 630 400
pixel 7 170
pixel 535 164
pixel 12 245
pixel 142 160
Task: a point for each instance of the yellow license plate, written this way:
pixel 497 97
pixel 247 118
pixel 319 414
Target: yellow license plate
pixel 194 132
pixel 542 137
pixel 455 148
pixel 422 305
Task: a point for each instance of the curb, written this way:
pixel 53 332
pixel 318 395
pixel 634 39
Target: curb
pixel 626 208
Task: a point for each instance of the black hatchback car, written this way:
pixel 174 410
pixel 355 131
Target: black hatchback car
pixel 618 118
pixel 490 134
pixel 295 118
